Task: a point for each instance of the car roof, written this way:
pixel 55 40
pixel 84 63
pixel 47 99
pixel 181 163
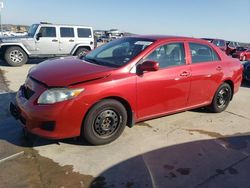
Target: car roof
pixel 165 37
pixel 66 25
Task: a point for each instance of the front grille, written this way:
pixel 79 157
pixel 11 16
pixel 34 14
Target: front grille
pixel 27 92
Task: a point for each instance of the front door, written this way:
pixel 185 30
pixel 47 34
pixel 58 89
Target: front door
pixel 47 43
pixel 167 89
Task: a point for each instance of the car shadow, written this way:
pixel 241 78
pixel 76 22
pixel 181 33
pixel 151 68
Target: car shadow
pixel 245 84
pixel 220 162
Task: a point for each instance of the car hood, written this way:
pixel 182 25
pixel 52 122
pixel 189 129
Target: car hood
pixel 68 71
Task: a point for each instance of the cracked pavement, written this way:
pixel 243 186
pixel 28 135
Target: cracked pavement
pixel 190 149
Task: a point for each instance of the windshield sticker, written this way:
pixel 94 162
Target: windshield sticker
pixel 143 43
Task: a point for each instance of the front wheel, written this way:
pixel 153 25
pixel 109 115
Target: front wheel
pixel 221 98
pixel 15 56
pixel 104 122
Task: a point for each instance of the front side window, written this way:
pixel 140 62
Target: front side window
pixel 48 31
pixel 202 53
pixel 84 33
pixel 118 52
pixel 168 55
pixel 66 32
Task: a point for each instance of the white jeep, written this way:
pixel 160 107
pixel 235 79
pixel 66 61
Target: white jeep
pixel 46 40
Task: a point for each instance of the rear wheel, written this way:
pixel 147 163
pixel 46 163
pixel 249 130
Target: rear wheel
pixel 221 98
pixel 15 56
pixel 81 52
pixel 104 122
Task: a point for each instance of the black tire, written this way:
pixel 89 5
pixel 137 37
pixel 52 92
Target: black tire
pixel 105 122
pixel 15 56
pixel 221 98
pixel 81 52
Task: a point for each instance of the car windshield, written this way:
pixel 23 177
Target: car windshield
pixel 32 30
pixel 118 52
pixel 241 49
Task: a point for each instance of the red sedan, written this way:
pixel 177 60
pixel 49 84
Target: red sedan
pixel 243 54
pixel 123 82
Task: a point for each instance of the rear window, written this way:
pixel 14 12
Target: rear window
pixel 220 43
pixel 84 33
pixel 202 53
pixel 66 32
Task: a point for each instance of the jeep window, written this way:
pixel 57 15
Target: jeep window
pixel 118 52
pixel 84 33
pixel 202 53
pixel 67 32
pixel 48 31
pixel 32 30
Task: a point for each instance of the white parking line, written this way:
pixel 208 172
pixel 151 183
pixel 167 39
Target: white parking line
pixel 11 156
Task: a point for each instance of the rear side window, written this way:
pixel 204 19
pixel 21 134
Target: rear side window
pixel 66 32
pixel 48 31
pixel 202 53
pixel 84 33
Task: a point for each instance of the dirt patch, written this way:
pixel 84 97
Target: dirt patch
pixel 33 170
pixel 144 124
pixel 208 133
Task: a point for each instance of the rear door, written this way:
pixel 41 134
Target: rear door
pixel 167 89
pixel 48 43
pixel 67 39
pixel 207 72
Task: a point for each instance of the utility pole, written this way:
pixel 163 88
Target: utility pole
pixel 1 7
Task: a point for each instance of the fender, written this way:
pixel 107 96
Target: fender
pixel 16 44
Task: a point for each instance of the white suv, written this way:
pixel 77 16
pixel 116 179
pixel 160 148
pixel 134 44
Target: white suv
pixel 47 40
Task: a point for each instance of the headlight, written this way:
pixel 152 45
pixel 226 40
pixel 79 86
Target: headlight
pixel 55 95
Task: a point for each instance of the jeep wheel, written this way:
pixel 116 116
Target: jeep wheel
pixel 104 122
pixel 81 52
pixel 15 56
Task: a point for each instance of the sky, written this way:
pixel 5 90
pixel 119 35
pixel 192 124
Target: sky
pixel 225 19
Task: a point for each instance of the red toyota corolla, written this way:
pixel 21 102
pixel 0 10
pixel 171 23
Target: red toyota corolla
pixel 123 82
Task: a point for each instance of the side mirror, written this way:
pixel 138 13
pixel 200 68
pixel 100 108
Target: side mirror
pixel 148 66
pixel 38 36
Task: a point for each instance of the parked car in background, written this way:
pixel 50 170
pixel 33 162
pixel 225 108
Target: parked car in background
pixel 18 34
pixel 246 71
pixel 231 47
pixel 47 40
pixel 218 42
pixel 125 81
pixel 245 55
pixel 239 53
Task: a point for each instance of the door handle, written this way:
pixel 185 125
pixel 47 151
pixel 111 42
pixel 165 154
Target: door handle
pixel 71 40
pixel 185 74
pixel 218 68
pixel 54 40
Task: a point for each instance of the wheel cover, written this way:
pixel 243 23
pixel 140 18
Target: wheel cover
pixel 16 56
pixel 106 123
pixel 223 97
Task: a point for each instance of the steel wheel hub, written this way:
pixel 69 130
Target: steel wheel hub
pixel 222 97
pixel 106 123
pixel 16 56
